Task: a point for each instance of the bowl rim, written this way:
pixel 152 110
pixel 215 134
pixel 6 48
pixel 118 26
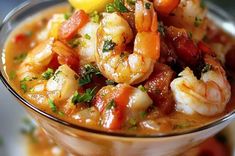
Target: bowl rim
pixel 4 80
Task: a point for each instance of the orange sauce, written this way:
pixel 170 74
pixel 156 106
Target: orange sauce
pixel 178 120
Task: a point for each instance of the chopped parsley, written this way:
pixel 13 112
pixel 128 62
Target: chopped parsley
pixel 24 87
pixel 52 105
pixel 95 17
pixel 131 2
pixel 183 125
pixel 108 45
pixel 117 5
pixel 142 88
pixel 12 75
pixel 85 97
pixel 73 43
pixel 132 122
pixel 61 113
pixel 143 114
pixel 190 35
pixel 202 4
pixel 197 21
pixel 110 8
pixel 48 74
pixel 147 5
pixel 23 84
pixel 29 33
pixel 67 16
pixel 88 74
pixel 85 79
pixel 110 82
pixel 88 37
pixel 206 68
pixel 161 28
pixel 111 105
pixel 20 58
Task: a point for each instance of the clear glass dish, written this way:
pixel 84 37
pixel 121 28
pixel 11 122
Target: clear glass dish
pixel 84 141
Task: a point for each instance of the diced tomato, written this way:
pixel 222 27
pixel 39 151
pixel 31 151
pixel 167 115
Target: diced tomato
pixel 71 61
pixel 186 51
pixel 184 47
pixel 19 38
pixel 70 27
pixel 113 117
pixel 122 96
pixel 158 87
pixel 205 48
pixel 230 59
pixel 54 64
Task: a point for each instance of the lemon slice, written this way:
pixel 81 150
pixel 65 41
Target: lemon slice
pixel 89 5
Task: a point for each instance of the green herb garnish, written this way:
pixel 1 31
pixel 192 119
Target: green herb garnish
pixel 88 74
pixel 61 113
pixel 110 82
pixel 29 33
pixel 197 21
pixel 142 88
pixel 190 35
pixel 132 122
pixel 12 75
pixel 85 97
pixel 67 16
pixel 88 37
pixel 202 4
pixel 147 6
pixel 95 17
pixel 24 87
pixel 23 84
pixel 143 114
pixel 111 105
pixel 161 28
pixel 182 125
pixel 48 74
pixel 20 58
pixel 206 68
pixel 85 79
pixel 117 5
pixel 110 8
pixel 108 45
pixel 131 2
pixel 52 105
pixel 73 43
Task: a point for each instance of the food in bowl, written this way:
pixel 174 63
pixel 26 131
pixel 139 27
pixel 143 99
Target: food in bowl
pixel 136 67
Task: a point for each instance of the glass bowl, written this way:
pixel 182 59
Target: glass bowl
pixel 80 140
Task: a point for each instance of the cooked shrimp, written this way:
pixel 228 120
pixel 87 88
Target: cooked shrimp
pixel 207 96
pixel 39 58
pixel 86 50
pixel 114 59
pixel 190 15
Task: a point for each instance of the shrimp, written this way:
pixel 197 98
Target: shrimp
pixel 113 57
pixel 86 50
pixel 191 15
pixel 40 57
pixel 207 96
